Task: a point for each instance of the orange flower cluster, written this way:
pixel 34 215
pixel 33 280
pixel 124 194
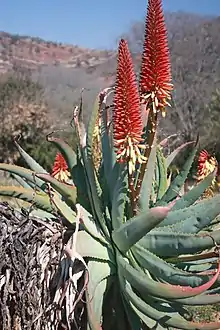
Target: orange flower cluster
pixel 206 165
pixel 155 77
pixel 60 169
pixel 127 114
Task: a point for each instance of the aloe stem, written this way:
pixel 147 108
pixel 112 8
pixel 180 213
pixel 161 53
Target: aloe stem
pixel 151 130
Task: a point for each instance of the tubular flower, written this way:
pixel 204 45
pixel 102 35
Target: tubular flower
pixel 60 169
pixel 155 76
pixel 127 122
pixel 206 165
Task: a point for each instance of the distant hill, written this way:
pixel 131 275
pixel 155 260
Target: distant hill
pixel 35 52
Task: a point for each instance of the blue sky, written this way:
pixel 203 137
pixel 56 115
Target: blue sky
pixel 87 23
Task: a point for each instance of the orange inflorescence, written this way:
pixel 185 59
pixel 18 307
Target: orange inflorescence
pixel 206 165
pixel 60 169
pixel 155 77
pixel 127 122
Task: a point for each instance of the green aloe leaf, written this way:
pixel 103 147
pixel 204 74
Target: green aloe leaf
pixel 120 198
pixel 85 150
pixel 170 244
pixel 176 185
pixel 170 158
pixel 24 183
pixel 93 248
pixel 146 319
pixel 200 219
pixel 63 208
pixel 79 179
pixel 132 315
pixel 111 167
pixel 162 174
pixel 43 214
pixel 99 273
pixel 24 173
pixel 192 266
pixel 78 125
pixel 67 191
pixel 91 226
pixel 38 199
pixel 164 318
pixel 205 208
pixel 144 284
pixel 31 162
pixel 193 195
pixel 164 271
pixel 108 153
pixel 200 300
pixel 95 193
pixel 134 229
pixel 146 187
pixel 91 127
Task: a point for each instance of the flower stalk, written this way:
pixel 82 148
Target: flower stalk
pixel 155 78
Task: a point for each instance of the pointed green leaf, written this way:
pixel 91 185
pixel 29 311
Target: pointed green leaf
pixel 146 187
pixel 170 158
pixel 31 162
pixel 133 317
pixel 134 229
pixel 99 272
pixel 164 318
pixel 120 198
pixel 164 271
pixel 91 126
pixel 170 244
pixel 93 184
pixel 87 246
pixel 95 192
pixel 109 157
pixel 38 199
pixel 146 319
pixel 201 300
pixel 176 185
pixel 63 208
pixel 78 177
pixel 23 182
pixel 144 284
pixel 162 169
pixel 67 191
pixel 205 208
pixel 23 173
pixel 42 214
pixel 91 226
pixel 195 193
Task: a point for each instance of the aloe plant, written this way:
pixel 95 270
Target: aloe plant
pixel 149 249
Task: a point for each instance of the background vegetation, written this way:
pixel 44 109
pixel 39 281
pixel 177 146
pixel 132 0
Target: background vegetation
pixel 33 103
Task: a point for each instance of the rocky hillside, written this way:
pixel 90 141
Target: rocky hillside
pixel 35 52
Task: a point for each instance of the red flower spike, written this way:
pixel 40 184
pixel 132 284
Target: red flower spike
pixel 60 169
pixel 127 122
pixel 155 76
pixel 206 165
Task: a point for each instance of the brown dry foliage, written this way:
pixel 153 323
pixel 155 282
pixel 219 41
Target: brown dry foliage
pixel 36 290
pixel 26 119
